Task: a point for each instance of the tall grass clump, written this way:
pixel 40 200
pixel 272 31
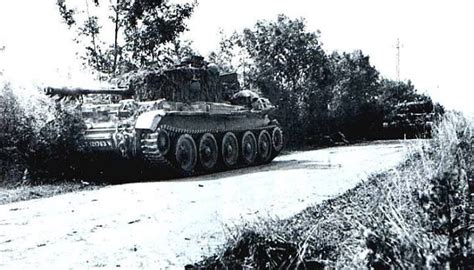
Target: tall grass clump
pixel 417 215
pixel 37 136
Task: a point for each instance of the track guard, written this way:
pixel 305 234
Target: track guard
pixel 149 120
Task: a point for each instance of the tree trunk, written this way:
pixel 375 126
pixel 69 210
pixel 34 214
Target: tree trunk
pixel 96 56
pixel 116 37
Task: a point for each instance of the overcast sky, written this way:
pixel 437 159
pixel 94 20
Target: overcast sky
pixel 437 37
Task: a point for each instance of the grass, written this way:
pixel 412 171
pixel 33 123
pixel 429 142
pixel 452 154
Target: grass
pixel 417 215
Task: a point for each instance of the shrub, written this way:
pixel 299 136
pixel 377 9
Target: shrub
pixel 38 136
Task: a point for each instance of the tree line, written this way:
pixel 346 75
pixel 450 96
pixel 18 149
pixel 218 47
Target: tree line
pixel 321 97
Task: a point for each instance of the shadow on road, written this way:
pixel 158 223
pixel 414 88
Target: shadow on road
pixel 277 165
pixel 121 172
pixel 128 174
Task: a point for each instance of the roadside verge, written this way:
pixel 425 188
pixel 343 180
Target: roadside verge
pixel 419 214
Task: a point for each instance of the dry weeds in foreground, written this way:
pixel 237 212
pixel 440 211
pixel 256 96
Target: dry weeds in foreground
pixel 417 215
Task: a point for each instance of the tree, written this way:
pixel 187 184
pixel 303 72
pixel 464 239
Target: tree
pixel 289 66
pixel 356 91
pixel 318 96
pixel 232 56
pixel 394 93
pixel 145 32
pixel 181 49
pixel 225 55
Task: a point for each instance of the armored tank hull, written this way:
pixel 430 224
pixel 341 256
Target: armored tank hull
pixel 186 138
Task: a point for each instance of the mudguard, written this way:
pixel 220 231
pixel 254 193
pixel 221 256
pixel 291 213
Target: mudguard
pixel 149 120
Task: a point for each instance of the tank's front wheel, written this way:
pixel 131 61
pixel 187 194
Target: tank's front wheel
pixel 163 141
pixel 186 153
pixel 230 149
pixel 208 151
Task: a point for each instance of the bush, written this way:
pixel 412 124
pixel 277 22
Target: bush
pixel 14 134
pixel 38 137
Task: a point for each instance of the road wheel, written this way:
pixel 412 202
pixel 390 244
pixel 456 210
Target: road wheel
pixel 208 151
pixel 264 146
pixel 163 141
pixel 249 148
pixel 277 139
pixel 186 153
pixel 230 149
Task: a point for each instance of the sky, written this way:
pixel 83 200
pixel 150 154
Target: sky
pixel 437 51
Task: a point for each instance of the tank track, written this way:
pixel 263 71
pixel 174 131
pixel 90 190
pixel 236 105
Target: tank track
pixel 153 158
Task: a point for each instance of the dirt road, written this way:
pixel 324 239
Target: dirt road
pixel 172 223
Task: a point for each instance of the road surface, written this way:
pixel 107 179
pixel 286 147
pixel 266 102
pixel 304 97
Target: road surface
pixel 169 224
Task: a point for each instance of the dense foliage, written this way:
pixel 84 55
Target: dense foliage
pixel 145 32
pixel 319 96
pixel 36 140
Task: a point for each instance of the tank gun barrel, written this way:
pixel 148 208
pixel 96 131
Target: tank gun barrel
pixel 71 92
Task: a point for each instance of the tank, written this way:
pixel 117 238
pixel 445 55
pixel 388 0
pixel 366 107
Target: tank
pixel 411 120
pixel 189 119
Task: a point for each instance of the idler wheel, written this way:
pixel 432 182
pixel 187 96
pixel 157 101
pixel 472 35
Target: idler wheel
pixel 208 151
pixel 277 139
pixel 163 141
pixel 249 148
pixel 186 153
pixel 230 149
pixel 264 146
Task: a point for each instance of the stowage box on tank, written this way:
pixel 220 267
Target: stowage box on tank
pixel 189 119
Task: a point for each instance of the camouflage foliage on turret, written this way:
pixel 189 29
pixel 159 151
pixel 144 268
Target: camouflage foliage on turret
pixel 192 80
